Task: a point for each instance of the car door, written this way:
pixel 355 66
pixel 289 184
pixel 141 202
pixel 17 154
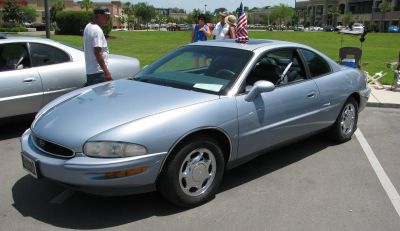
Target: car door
pixel 21 89
pixel 59 73
pixel 289 111
pixel 332 86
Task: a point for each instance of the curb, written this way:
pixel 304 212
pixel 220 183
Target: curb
pixel 383 105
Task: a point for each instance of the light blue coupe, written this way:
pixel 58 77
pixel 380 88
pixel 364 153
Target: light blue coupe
pixel 180 122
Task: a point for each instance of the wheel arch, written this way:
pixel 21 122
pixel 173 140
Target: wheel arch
pixel 357 97
pixel 216 133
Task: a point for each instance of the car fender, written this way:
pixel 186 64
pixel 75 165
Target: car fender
pixel 168 128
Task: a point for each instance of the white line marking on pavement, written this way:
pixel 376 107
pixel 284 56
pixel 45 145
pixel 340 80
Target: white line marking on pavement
pixel 60 198
pixel 380 172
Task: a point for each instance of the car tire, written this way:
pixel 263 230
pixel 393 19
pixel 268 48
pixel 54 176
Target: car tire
pixel 193 173
pixel 346 122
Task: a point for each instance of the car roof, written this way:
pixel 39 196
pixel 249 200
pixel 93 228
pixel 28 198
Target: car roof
pixel 251 45
pixel 27 39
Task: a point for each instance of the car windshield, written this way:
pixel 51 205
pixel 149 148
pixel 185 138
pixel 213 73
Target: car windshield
pixel 198 68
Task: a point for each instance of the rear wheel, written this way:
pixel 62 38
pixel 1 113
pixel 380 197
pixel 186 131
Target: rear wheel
pixel 194 172
pixel 346 122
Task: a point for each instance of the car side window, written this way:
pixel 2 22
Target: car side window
pixel 272 65
pixel 317 65
pixel 14 56
pixel 43 55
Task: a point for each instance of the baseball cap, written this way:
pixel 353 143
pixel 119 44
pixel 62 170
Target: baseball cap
pixel 224 14
pixel 101 10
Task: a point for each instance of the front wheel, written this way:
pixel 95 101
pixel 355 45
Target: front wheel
pixel 346 122
pixel 194 172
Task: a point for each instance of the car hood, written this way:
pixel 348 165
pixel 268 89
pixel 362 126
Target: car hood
pixel 92 110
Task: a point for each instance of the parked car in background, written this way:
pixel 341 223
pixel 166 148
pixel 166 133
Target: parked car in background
pixel 357 27
pixel 339 27
pixel 299 28
pixel 329 28
pixel 34 71
pixel 314 28
pixel 393 29
pixel 178 124
pixel 27 23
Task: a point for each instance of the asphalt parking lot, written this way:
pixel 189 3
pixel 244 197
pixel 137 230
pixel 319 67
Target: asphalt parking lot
pixel 314 184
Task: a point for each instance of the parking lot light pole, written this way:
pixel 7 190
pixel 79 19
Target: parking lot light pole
pixel 47 17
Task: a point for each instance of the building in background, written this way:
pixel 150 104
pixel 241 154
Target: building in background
pixel 115 8
pixel 259 16
pixel 320 12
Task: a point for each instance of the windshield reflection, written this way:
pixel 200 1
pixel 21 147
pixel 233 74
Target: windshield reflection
pixel 198 68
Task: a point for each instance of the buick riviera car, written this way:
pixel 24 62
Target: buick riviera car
pixel 34 71
pixel 177 125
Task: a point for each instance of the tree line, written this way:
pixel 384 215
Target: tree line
pixel 142 13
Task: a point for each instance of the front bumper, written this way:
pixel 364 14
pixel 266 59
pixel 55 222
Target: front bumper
pixel 364 96
pixel 89 174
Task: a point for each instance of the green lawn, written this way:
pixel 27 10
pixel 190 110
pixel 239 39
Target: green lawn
pixel 147 46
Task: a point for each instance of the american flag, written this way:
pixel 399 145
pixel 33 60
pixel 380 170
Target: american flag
pixel 241 33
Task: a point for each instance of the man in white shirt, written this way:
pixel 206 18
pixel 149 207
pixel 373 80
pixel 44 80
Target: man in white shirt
pixel 96 49
pixel 221 30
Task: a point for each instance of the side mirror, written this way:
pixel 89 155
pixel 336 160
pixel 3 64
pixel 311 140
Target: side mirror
pixel 258 88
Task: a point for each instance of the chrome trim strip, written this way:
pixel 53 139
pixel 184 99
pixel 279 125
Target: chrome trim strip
pixel 270 126
pixel 36 94
pixel 112 160
pixel 20 96
pixel 47 92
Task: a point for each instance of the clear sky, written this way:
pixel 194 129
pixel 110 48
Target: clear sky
pixel 189 5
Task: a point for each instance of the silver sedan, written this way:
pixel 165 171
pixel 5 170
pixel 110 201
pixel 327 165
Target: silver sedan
pixel 179 123
pixel 34 71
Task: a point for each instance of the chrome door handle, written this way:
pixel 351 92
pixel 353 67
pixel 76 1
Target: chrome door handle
pixel 28 80
pixel 311 95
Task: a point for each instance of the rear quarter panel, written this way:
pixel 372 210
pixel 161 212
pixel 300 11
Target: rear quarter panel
pixel 335 89
pixel 122 67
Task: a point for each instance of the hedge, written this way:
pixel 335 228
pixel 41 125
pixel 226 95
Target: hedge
pixel 13 29
pixel 74 22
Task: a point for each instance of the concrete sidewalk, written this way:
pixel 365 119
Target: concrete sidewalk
pixel 384 97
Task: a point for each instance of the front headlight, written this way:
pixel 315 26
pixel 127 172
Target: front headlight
pixel 107 149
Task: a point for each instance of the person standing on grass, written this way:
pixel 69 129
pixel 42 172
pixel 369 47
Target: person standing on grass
pixel 96 49
pixel 200 32
pixel 231 22
pixel 221 29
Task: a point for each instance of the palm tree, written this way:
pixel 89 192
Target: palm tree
pixel 347 18
pixel 282 13
pixel 303 14
pixel 128 10
pixel 55 9
pixel 333 13
pixel 384 7
pixel 325 12
pixel 144 11
pixel 87 4
pixel 193 15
